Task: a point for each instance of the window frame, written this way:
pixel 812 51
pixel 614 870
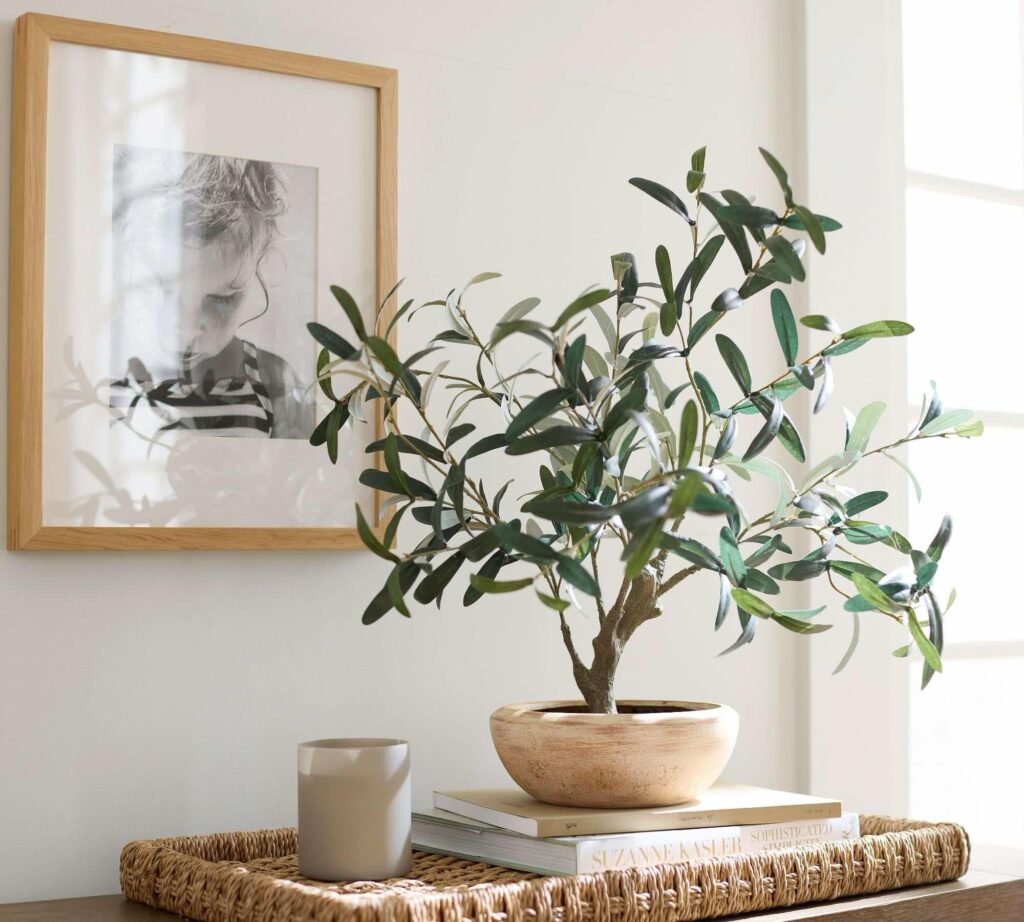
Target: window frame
pixel 913 179
pixel 859 722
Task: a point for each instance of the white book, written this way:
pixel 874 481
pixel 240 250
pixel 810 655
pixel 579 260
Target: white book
pixel 445 833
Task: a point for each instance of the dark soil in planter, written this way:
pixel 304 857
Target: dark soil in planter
pixel 623 709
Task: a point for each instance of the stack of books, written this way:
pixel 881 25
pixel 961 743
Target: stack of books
pixel 507 827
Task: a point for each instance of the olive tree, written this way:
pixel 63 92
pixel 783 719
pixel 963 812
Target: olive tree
pixel 625 457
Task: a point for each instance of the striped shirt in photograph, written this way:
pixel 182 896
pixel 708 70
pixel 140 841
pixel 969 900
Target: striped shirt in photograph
pixel 237 406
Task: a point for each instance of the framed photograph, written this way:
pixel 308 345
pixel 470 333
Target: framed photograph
pixel 179 210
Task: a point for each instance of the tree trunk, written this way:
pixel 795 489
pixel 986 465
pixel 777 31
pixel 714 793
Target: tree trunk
pixel 640 604
pixel 598 682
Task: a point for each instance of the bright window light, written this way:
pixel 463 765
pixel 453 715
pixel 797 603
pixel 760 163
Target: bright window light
pixel 957 476
pixel 961 716
pixel 962 90
pixel 963 258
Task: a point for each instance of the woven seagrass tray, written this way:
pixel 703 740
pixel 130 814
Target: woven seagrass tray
pixel 252 877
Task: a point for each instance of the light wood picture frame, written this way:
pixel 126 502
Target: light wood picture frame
pixel 36 38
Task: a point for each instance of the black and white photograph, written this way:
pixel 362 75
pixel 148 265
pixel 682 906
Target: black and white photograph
pixel 214 275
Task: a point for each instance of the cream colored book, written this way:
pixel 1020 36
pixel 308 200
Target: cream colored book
pixel 721 805
pixel 446 834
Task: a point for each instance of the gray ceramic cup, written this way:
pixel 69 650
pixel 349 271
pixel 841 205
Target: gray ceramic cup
pixel 355 809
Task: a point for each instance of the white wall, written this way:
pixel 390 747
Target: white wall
pixel 163 694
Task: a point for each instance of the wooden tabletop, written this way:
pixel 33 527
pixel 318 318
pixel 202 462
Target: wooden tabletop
pixel 992 891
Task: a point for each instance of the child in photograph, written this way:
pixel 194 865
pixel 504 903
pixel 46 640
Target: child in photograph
pixel 192 235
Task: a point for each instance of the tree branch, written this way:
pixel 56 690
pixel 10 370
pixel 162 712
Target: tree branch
pixel 620 599
pixel 677 578
pixel 601 611
pixel 641 604
pixel 579 670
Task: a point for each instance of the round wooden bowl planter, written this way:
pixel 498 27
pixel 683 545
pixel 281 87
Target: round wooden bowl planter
pixel 650 754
